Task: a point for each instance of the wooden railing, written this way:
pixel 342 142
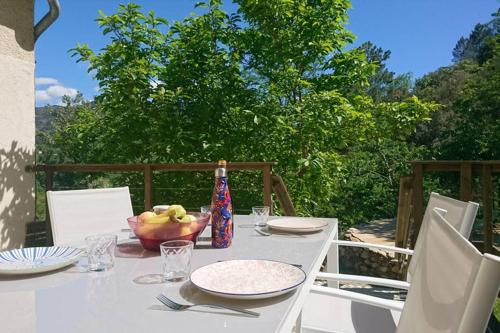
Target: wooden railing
pixel 411 197
pixel 271 182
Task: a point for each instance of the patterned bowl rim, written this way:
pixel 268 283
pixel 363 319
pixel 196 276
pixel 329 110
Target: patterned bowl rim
pixel 75 255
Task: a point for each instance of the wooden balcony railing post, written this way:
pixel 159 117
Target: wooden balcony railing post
pixel 488 209
pixel 279 188
pixel 465 181
pixel 148 187
pixel 267 179
pixel 418 201
pixel 404 212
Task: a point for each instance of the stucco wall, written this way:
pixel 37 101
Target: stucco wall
pixel 17 120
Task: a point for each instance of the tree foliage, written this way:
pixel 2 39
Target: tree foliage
pixel 467 125
pixel 479 45
pixel 384 85
pixel 272 82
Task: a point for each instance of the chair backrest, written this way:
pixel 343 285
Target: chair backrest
pixel 80 213
pixel 460 214
pixel 454 287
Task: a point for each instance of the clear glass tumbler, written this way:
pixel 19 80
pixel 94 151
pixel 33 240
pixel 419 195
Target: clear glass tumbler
pixel 205 209
pixel 101 251
pixel 176 260
pixel 260 215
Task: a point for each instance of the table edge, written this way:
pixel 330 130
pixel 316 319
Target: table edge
pixel 289 319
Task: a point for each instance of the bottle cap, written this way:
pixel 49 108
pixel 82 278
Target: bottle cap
pixel 221 171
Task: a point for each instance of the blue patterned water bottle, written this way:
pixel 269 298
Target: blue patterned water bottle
pixel 222 209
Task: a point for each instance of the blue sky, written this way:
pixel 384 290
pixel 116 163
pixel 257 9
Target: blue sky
pixel 420 34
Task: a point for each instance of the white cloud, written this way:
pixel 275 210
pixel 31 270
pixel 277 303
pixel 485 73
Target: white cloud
pixel 60 91
pixel 44 81
pixel 53 93
pixel 42 96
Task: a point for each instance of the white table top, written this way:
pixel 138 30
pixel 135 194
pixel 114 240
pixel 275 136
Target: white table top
pixel 72 300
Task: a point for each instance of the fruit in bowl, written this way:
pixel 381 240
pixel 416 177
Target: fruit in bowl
pixel 172 224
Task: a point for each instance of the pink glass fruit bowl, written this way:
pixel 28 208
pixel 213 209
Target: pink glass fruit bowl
pixel 152 235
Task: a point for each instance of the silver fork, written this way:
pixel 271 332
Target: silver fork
pixel 181 307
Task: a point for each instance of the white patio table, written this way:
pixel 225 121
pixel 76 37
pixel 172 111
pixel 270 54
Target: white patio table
pixel 123 298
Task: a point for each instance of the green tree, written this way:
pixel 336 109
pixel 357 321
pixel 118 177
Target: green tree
pixel 443 86
pixel 466 125
pixel 269 82
pixel 477 47
pixel 477 135
pixel 385 85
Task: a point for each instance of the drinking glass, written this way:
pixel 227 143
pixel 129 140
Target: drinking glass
pixel 176 260
pixel 101 251
pixel 158 209
pixel 205 209
pixel 260 215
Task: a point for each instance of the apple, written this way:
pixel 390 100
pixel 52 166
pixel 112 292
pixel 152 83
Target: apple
pixel 144 216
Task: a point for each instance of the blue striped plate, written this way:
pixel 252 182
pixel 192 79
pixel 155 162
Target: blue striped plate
pixel 37 259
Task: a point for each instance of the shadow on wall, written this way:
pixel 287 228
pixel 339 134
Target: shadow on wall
pixel 17 188
pixel 15 17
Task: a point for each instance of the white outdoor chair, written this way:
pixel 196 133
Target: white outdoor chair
pixel 453 289
pixel 80 213
pixel 462 214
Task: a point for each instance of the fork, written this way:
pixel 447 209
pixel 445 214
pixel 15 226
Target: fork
pixel 181 307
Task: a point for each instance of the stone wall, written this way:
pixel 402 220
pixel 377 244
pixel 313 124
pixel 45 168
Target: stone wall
pixel 371 262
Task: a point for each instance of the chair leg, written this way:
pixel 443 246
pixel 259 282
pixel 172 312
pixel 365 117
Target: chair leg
pixel 332 260
pixel 298 324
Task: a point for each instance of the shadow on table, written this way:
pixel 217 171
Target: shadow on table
pixel 133 250
pixel 188 293
pixel 43 280
pixel 32 276
pixel 192 294
pixel 149 279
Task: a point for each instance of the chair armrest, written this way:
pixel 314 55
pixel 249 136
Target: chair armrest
pixel 364 279
pixel 358 297
pixel 374 246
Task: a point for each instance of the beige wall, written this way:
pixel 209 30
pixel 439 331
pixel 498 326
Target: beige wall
pixel 17 120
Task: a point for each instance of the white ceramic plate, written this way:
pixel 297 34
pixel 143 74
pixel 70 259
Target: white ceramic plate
pixel 37 259
pixel 248 279
pixel 297 224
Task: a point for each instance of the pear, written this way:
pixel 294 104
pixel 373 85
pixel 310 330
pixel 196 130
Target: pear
pixel 187 219
pixel 175 210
